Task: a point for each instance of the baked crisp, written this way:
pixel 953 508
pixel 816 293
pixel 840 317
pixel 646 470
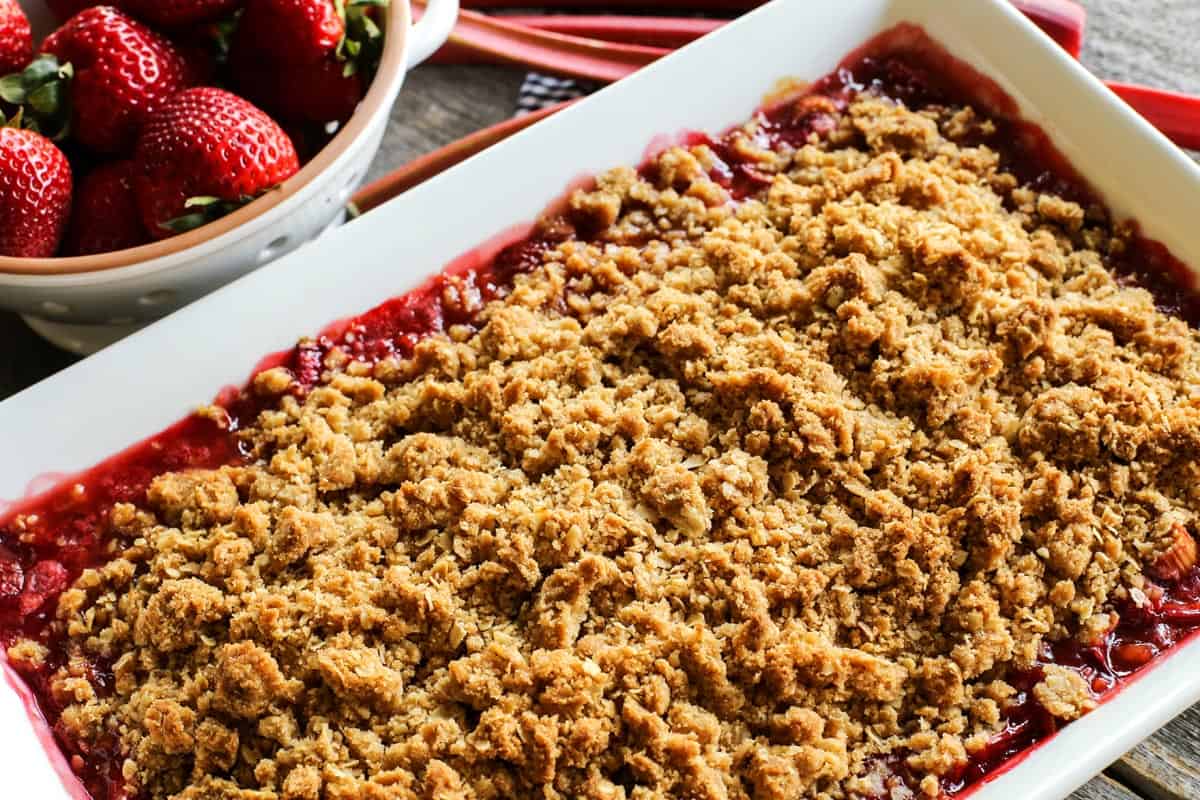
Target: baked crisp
pixel 764 498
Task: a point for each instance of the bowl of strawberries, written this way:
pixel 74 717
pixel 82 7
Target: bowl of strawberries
pixel 154 150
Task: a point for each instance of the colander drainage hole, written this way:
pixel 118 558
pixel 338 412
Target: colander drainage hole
pixel 51 307
pixel 157 298
pixel 274 249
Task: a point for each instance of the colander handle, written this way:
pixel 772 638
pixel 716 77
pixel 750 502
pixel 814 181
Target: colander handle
pixel 430 32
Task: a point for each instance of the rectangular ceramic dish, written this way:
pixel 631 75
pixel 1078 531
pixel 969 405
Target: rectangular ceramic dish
pixel 152 379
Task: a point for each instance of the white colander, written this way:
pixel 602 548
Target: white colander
pixel 87 302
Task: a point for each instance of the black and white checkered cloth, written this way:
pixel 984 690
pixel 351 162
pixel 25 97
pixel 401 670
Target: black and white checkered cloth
pixel 539 91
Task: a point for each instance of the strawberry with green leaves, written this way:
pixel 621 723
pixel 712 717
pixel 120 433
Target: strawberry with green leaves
pixel 105 69
pixel 105 216
pixel 306 60
pixel 35 194
pixel 291 31
pixel 313 91
pixel 203 154
pixel 16 38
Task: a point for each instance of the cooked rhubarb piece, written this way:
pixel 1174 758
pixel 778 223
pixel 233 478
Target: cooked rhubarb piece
pixel 1178 558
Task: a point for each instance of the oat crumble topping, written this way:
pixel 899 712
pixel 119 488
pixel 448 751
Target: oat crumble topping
pixel 734 500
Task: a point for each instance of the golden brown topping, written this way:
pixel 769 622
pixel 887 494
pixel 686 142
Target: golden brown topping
pixel 738 500
pixel 247 681
pixel 174 615
pixel 1064 693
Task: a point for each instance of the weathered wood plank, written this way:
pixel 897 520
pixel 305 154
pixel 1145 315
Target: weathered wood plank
pixel 1103 787
pixel 442 103
pixel 1167 765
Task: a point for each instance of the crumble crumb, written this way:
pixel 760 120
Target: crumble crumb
pixel 736 500
pixel 1064 693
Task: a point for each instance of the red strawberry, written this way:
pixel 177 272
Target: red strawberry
pixel 201 64
pixel 65 9
pixel 16 38
pixel 291 31
pixel 304 60
pixel 167 13
pixel 179 13
pixel 209 150
pixel 123 72
pixel 106 215
pixel 35 194
pixel 318 91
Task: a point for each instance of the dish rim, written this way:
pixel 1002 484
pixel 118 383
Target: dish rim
pixel 1049 771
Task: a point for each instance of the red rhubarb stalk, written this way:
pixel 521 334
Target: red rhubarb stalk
pixel 1062 20
pixel 478 37
pixel 669 32
pixel 1176 115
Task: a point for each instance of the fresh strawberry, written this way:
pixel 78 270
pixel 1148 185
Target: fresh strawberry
pixel 123 71
pixel 35 194
pixel 205 47
pixel 164 13
pixel 306 138
pixel 106 215
pixel 179 13
pixel 201 62
pixel 306 60
pixel 290 31
pixel 16 38
pixel 317 91
pixel 204 153
pixel 65 9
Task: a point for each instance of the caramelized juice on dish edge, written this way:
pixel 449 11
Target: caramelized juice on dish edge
pixel 49 539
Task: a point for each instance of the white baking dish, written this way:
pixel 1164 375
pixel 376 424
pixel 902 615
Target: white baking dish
pixel 142 384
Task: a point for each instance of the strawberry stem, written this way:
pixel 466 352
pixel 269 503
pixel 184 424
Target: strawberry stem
pixel 219 36
pixel 208 209
pixel 362 46
pixel 40 90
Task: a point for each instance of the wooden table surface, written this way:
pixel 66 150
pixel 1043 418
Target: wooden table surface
pixel 1148 41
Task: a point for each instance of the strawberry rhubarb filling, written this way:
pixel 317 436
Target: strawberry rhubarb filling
pixel 848 454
